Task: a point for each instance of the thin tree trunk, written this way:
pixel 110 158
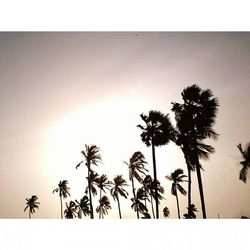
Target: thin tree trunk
pixel 133 187
pixel 155 181
pixel 178 208
pixel 119 207
pixel 100 202
pixel 90 197
pixel 61 207
pixel 198 170
pixel 152 206
pixel 29 214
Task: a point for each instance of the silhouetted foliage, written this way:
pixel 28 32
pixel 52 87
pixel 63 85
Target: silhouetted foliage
pixel 63 191
pixel 32 205
pixel 71 210
pixel 191 212
pixel 137 201
pixel 166 212
pixel 84 206
pixel 104 206
pixel 245 153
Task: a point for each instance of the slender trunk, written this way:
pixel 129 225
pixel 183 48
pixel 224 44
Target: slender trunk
pixel 100 202
pixel 133 187
pixel 90 196
pixel 152 206
pixel 29 214
pixel 178 207
pixel 119 207
pixel 61 207
pixel 155 181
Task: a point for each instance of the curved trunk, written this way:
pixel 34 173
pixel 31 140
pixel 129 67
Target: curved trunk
pixel 155 180
pixel 90 197
pixel 61 207
pixel 133 187
pixel 119 207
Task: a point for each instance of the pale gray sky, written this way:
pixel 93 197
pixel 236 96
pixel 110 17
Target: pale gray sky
pixel 59 91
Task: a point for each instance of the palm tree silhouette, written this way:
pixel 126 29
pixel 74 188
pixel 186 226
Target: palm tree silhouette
pixel 32 204
pixel 63 190
pixel 246 161
pixel 84 206
pixel 103 183
pixel 191 212
pixel 177 177
pixel 71 210
pixel 136 167
pixel 196 118
pixel 156 132
pixel 118 189
pixel 92 157
pixel 104 206
pixel 166 212
pixel 137 201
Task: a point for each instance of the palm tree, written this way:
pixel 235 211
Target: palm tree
pixel 32 204
pixel 71 210
pixel 166 212
pixel 103 183
pixel 137 202
pixel 156 132
pixel 196 118
pixel 149 187
pixel 246 161
pixel 92 157
pixel 177 177
pixel 63 190
pixel 191 212
pixel 118 189
pixel 83 206
pixel 136 167
pixel 104 206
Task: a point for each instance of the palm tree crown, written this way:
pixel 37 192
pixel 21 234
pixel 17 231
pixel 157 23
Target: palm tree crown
pixel 245 153
pixel 71 210
pixel 84 205
pixel 32 204
pixel 63 189
pixel 104 206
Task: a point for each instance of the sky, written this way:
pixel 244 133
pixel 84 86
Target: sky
pixel 60 91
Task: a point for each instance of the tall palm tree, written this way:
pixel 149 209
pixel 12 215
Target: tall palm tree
pixel 32 204
pixel 71 210
pixel 246 161
pixel 118 189
pixel 137 201
pixel 196 119
pixel 63 191
pixel 166 212
pixel 136 167
pixel 103 183
pixel 92 157
pixel 84 206
pixel 177 177
pixel 156 132
pixel 104 206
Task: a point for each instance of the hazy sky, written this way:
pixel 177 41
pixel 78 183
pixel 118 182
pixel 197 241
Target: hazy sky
pixel 59 91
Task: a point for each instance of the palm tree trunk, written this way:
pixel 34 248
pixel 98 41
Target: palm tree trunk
pixel 119 207
pixel 155 180
pixel 152 206
pixel 100 201
pixel 61 207
pixel 178 207
pixel 29 214
pixel 198 170
pixel 133 187
pixel 90 196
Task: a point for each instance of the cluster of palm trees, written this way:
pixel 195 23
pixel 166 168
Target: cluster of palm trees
pixel 195 118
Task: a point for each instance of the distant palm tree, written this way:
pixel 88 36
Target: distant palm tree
pixel 84 206
pixel 246 161
pixel 177 177
pixel 32 204
pixel 71 210
pixel 196 118
pixel 136 167
pixel 118 189
pixel 156 132
pixel 92 157
pixel 104 206
pixel 137 201
pixel 166 212
pixel 63 190
pixel 93 181
pixel 191 212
